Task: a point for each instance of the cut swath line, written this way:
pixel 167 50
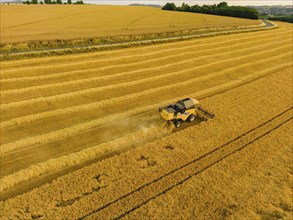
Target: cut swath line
pixel 75 109
pixel 85 107
pixel 90 81
pixel 63 133
pixel 44 100
pixel 67 73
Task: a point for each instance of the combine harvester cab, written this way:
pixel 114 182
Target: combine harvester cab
pixel 184 110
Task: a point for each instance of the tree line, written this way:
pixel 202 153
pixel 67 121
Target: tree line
pixel 52 2
pixel 216 9
pixel 285 18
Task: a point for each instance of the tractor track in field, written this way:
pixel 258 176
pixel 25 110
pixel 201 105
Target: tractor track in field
pixel 128 203
pixel 39 21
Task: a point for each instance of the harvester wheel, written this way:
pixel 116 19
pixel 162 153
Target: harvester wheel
pixel 191 118
pixel 177 124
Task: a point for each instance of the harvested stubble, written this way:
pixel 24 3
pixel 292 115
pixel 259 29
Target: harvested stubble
pixel 86 190
pixel 100 81
pixel 49 102
pixel 139 137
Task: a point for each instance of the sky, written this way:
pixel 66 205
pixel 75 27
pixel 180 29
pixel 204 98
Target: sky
pixel 192 2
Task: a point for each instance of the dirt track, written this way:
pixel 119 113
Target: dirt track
pixel 106 101
pixel 262 26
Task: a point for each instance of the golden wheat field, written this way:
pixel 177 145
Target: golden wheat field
pixel 81 136
pixel 51 22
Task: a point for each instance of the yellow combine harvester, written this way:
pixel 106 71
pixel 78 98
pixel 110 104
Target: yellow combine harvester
pixel 184 110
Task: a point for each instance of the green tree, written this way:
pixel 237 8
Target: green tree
pixel 169 6
pixel 79 2
pixel 35 2
pixel 69 2
pixel 41 2
pixel 59 2
pixel 222 4
pixel 220 9
pixel 285 18
pixel 184 7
